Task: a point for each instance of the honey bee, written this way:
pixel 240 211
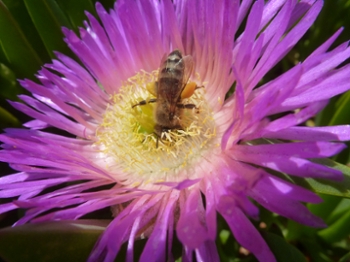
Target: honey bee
pixel 170 89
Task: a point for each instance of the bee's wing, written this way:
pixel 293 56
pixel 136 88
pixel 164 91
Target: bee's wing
pixel 189 65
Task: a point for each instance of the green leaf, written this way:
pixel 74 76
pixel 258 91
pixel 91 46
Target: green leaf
pixel 75 10
pixel 338 230
pixel 341 114
pixel 51 241
pixel 326 208
pixel 108 4
pixel 327 187
pixel 9 86
pixel 341 117
pixel 315 250
pixel 7 119
pixel 19 12
pixel 341 208
pixel 48 19
pixel 323 118
pixel 295 231
pixel 345 258
pixel 16 48
pixel 283 251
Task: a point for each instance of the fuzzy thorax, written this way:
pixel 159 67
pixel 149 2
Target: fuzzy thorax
pixel 127 140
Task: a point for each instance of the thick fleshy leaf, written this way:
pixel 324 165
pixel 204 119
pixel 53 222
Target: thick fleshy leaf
pixel 51 241
pixel 341 116
pixel 18 51
pixel 282 250
pixel 48 19
pixel 341 189
pixel 338 230
pixel 9 86
pixel 7 119
pixel 342 107
pixel 341 207
pixel 74 10
pixel 345 258
pixel 19 12
pixel 326 209
pixel 106 3
pixel 316 251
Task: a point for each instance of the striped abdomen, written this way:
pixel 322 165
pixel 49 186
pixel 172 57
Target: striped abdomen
pixel 170 79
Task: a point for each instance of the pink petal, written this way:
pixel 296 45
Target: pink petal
pixel 190 229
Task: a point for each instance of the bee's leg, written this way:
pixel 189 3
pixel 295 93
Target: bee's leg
pixel 186 106
pixel 159 130
pixel 145 102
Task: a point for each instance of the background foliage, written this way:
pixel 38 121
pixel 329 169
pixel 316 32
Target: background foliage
pixel 30 32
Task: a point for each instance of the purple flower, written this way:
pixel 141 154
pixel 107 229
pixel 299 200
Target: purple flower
pixel 219 157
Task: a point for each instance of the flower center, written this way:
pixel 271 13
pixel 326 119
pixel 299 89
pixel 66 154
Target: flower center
pixel 132 150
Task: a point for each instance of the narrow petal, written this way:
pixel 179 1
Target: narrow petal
pixel 210 209
pixel 155 249
pixel 190 229
pixel 299 149
pixel 282 200
pixel 207 252
pixel 244 231
pixel 118 231
pixel 303 133
pixel 291 165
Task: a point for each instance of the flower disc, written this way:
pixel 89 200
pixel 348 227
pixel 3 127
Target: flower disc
pixel 126 135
